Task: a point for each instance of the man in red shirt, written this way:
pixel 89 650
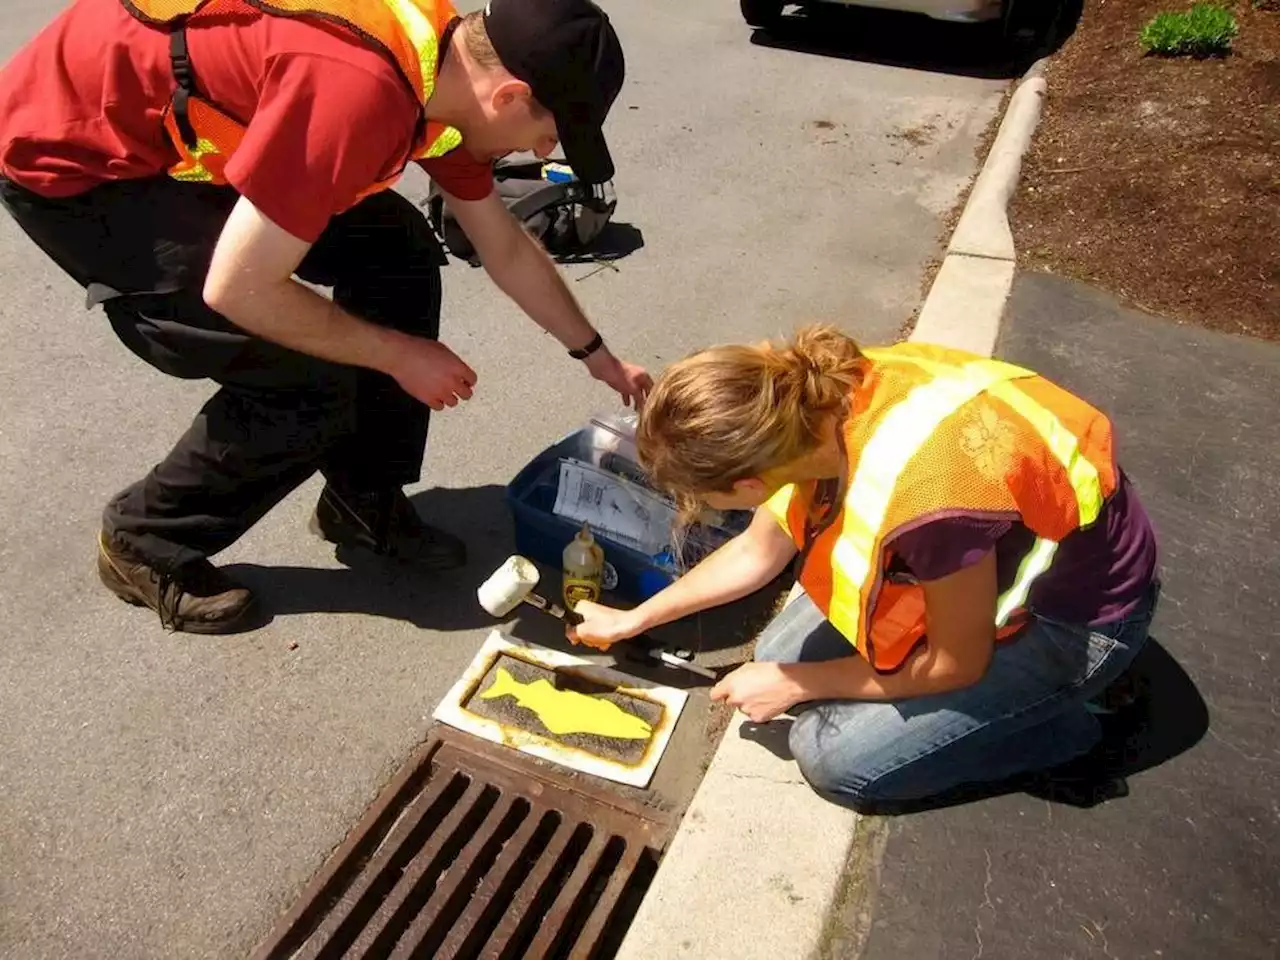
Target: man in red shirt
pixel 198 278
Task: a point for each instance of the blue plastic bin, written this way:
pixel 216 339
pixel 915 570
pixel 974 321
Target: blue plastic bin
pixel 542 536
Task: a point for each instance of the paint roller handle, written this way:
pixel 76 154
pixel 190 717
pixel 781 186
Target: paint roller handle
pixel 606 625
pixel 645 648
pixel 641 647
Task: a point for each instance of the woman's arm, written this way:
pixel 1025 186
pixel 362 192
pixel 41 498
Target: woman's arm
pixel 960 618
pixel 740 567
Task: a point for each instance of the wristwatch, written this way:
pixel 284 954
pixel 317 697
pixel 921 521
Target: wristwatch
pixel 583 352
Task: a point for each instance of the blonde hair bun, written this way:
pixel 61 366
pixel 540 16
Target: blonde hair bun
pixel 738 411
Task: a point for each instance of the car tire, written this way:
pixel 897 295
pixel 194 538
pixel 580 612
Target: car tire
pixel 761 13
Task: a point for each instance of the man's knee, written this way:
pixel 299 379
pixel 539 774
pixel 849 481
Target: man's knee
pixel 177 333
pixel 385 235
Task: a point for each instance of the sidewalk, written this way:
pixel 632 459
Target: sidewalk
pixel 1184 866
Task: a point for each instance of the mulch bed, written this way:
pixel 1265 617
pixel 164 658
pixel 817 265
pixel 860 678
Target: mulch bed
pixel 1159 179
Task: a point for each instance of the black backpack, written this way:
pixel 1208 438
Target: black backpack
pixel 566 217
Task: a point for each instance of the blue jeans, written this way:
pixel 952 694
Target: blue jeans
pixel 1026 714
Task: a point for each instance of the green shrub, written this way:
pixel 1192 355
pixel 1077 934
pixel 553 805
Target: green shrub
pixel 1205 30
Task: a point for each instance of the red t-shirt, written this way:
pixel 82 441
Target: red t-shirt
pixel 326 115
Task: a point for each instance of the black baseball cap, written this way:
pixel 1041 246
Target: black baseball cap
pixel 569 55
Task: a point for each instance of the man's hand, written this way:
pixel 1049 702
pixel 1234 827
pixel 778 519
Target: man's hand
pixel 760 690
pixel 602 626
pixel 631 382
pixel 250 282
pixel 432 373
pixel 521 268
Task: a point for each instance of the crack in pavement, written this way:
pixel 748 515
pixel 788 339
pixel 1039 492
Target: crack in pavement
pixel 986 902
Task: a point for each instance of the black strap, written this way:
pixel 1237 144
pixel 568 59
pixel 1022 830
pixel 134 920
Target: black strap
pixel 583 352
pixel 547 195
pixel 446 35
pixel 185 77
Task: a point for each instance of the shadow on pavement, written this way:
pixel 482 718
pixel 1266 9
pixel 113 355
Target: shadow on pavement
pixel 447 600
pixel 1167 718
pixel 993 51
pixel 616 240
pixel 773 736
pixel 433 600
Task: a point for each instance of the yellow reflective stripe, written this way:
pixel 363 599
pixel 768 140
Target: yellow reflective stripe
pixel 1036 562
pixel 984 365
pixel 780 505
pixel 449 139
pixel 423 37
pixel 1064 444
pixel 1065 447
pixel 196 172
pixel 899 435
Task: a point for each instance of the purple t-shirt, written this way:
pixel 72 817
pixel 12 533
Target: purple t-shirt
pixel 1098 574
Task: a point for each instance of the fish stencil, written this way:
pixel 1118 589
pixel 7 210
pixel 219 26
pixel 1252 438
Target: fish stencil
pixel 567 711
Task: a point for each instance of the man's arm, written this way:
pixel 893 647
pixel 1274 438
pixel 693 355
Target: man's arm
pixel 250 282
pixel 522 270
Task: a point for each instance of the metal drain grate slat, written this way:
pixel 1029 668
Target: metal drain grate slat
pixel 549 933
pixel 494 895
pixel 429 928
pixel 425 872
pixel 622 874
pixel 475 852
pixel 440 794
pixel 508 926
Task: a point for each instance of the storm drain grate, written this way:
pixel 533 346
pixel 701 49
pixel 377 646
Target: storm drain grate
pixel 476 852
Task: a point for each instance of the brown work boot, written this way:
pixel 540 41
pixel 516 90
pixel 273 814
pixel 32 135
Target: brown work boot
pixel 196 598
pixel 386 524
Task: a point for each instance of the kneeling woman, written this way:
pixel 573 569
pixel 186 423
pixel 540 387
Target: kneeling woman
pixel 976 567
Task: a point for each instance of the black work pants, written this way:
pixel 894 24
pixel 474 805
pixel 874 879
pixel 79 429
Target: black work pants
pixel 142 249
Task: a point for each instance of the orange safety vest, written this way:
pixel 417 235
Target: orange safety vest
pixel 932 433
pixel 408 31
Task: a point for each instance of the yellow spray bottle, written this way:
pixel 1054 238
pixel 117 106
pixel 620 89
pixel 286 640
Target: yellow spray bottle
pixel 583 569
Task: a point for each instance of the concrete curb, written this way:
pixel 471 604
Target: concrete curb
pixel 754 869
pixel 965 303
pixel 758 861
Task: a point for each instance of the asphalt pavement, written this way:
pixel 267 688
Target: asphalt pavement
pixel 167 796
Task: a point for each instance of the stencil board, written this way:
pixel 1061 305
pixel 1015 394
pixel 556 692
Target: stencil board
pixel 514 693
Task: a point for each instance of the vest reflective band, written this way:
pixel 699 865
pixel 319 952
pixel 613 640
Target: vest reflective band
pixel 899 448
pixel 902 432
pixel 1061 441
pixel 409 31
pixel 1065 447
pixel 1038 559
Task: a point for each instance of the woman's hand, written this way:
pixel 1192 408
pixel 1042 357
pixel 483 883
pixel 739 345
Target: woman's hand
pixel 762 691
pixel 602 626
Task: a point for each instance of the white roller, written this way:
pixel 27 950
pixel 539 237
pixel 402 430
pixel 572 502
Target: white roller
pixel 508 586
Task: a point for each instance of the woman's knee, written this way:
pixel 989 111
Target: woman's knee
pixel 832 759
pixel 800 632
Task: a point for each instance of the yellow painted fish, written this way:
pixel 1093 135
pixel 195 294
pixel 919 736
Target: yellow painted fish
pixel 567 711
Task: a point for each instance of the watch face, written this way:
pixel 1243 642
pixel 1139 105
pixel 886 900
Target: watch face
pixel 609 581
